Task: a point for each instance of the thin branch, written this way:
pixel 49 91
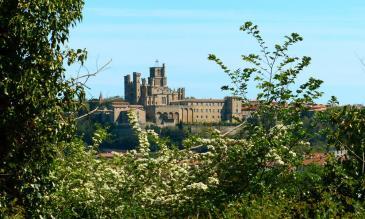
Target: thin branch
pixel 87 114
pixel 196 147
pixel 233 129
pixel 348 148
pixel 363 163
pixel 98 70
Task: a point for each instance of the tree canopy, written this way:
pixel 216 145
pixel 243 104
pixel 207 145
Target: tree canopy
pixel 36 101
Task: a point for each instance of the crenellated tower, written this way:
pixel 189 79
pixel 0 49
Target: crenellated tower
pixel 136 94
pixel 128 88
pixel 153 91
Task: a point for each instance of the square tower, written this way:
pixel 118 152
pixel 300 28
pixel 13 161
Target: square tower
pixel 158 76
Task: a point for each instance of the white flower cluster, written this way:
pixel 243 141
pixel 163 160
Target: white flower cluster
pixel 273 154
pixel 141 134
pixel 198 186
pixel 213 181
pixel 143 179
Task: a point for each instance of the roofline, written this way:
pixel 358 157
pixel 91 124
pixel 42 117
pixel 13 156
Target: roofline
pixel 197 100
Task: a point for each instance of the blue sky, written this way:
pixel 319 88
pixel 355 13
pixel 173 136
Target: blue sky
pixel 182 34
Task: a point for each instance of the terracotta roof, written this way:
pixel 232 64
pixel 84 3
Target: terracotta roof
pixel 315 158
pixel 110 154
pixel 119 102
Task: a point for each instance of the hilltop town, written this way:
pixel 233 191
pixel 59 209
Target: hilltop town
pixel 155 102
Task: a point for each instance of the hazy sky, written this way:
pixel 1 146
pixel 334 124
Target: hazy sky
pixel 182 34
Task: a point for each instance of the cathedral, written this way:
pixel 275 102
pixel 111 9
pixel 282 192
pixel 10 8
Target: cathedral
pixel 156 103
pixel 154 91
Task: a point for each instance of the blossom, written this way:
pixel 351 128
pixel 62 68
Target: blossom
pixel 198 186
pixel 213 181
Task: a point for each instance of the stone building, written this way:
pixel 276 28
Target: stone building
pixel 120 110
pixel 115 110
pixel 165 106
pixel 196 111
pixel 155 102
pixel 153 91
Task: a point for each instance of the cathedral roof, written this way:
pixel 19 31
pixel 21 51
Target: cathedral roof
pixel 199 101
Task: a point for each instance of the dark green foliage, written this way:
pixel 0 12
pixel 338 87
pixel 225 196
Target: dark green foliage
pixel 36 102
pixel 174 134
pixel 345 130
pixel 121 138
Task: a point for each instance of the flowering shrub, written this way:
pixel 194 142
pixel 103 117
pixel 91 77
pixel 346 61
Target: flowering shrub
pixel 171 182
pixel 138 182
pixel 168 182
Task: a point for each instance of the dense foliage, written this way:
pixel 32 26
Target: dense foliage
pixel 36 102
pixel 48 172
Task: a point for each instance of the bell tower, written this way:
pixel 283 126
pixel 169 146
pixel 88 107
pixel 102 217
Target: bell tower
pixel 158 76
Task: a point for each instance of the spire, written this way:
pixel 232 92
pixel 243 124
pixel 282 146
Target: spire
pixel 157 63
pixel 101 99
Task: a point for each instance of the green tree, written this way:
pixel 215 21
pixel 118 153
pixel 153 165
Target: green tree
pixel 345 131
pixel 275 129
pixel 37 103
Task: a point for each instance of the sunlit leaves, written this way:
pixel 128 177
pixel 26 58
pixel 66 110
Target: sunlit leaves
pixel 275 127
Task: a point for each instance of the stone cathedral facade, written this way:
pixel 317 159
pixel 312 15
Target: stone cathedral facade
pixel 153 91
pixel 163 105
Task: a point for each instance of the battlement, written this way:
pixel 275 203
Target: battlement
pixel 164 105
pixel 153 91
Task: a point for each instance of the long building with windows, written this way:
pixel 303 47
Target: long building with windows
pixel 165 106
